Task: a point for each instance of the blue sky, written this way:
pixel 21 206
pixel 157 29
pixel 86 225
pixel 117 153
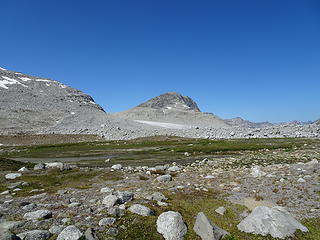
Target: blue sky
pixel 256 59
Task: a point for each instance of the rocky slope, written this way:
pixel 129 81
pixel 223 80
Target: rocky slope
pixel 172 108
pixel 30 104
pixel 34 105
pixel 239 122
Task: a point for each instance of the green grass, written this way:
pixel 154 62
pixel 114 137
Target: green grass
pixel 150 151
pixel 53 180
pixel 12 165
pixel 144 228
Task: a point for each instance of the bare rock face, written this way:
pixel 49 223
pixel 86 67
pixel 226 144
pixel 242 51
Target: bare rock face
pixel 275 221
pixel 171 101
pixel 206 229
pixel 170 224
pixel 30 104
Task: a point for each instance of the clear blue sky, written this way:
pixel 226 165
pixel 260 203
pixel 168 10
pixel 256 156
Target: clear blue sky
pixel 257 59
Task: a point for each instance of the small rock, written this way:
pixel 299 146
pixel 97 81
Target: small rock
pixel 164 178
pixel 117 167
pixel 39 166
pixel 56 229
pixel 35 235
pixel 220 210
pixel 37 215
pixel 174 169
pixel 70 233
pixel 11 176
pixel 112 231
pixel 110 201
pixel 301 180
pixel 90 234
pixel 140 210
pixel 106 190
pixel 124 196
pixel 106 221
pixel 256 172
pixel 23 169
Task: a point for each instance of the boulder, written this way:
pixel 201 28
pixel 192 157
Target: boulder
pixel 110 201
pixel 90 234
pixel 275 221
pixel 106 190
pixel 170 224
pixel 11 176
pixel 39 166
pixel 157 196
pixel 206 229
pixel 70 233
pixel 117 167
pixel 37 215
pixel 124 196
pixel 107 221
pixel 56 229
pixel 256 172
pixel 164 178
pixel 174 169
pixel 35 235
pixel 140 210
pixel 23 169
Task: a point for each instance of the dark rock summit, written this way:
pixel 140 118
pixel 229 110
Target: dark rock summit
pixel 172 101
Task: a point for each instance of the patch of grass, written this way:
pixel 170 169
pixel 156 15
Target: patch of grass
pixel 12 165
pixel 53 180
pixel 189 205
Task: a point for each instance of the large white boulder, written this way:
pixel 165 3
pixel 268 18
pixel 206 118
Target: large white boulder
pixel 170 224
pixel 275 221
pixel 11 176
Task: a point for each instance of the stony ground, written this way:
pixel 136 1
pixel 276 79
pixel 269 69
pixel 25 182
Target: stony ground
pixel 238 180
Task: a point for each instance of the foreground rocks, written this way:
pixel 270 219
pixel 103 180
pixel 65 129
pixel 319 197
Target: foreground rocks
pixel 206 229
pixel 275 221
pixel 171 225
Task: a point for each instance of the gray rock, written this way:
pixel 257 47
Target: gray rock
pixel 35 235
pixel 110 201
pixel 11 225
pixel 29 207
pixel 116 211
pixel 157 196
pixel 170 224
pixel 112 231
pixel 124 196
pixel 140 210
pixel 117 167
pixel 174 169
pixel 106 190
pixel 56 229
pixel 90 234
pixel 39 166
pixel 7 235
pixel 37 215
pixel 60 165
pixel 275 221
pixel 206 229
pixel 106 221
pixel 220 210
pixel 164 178
pixel 70 233
pixel 11 176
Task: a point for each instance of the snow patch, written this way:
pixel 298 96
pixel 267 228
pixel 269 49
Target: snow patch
pixel 47 84
pixel 63 86
pixel 169 108
pixel 3 69
pixel 25 79
pixel 73 113
pixel 9 81
pixel 165 125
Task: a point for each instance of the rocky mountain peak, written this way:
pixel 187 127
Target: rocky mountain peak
pixel 172 101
